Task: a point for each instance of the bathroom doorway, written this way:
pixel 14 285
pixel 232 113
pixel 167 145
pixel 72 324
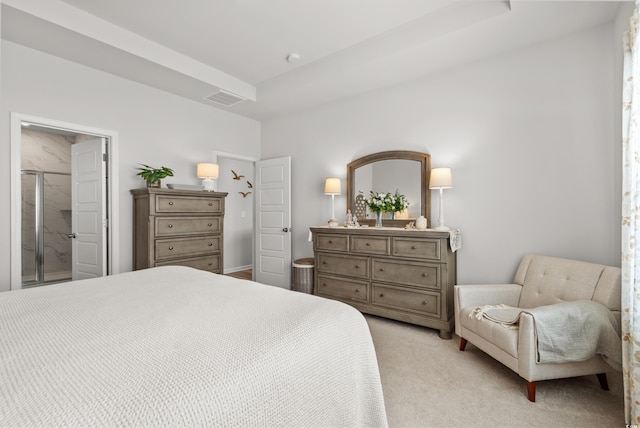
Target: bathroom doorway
pixel 62 229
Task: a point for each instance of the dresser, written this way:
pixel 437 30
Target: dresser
pixel 178 227
pixel 406 275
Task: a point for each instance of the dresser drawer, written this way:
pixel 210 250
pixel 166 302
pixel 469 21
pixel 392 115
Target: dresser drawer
pixel 190 204
pixel 171 226
pixel 332 242
pixel 342 288
pixel 378 245
pixel 407 273
pixel 343 265
pixel 416 248
pixel 420 302
pixel 209 263
pixel 186 247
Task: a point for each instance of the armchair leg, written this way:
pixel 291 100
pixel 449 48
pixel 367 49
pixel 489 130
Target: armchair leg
pixel 602 377
pixel 463 344
pixel 531 389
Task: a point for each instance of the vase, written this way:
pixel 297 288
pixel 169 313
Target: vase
pixel 156 184
pixel 393 215
pixel 378 218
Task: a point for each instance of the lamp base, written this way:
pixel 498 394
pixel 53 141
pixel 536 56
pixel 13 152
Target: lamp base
pixel 207 185
pixel 333 222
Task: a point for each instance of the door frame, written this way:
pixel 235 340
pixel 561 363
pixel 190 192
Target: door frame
pixel 113 205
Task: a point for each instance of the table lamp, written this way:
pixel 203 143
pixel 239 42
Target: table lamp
pixel 441 179
pixel 208 172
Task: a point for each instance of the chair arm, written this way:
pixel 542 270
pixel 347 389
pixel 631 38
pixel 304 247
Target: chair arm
pixel 527 351
pixel 488 294
pixel 480 295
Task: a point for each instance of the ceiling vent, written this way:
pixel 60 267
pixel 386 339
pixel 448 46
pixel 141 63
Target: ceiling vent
pixel 224 98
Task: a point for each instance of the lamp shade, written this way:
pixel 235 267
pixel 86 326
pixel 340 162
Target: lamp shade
pixel 440 178
pixel 332 186
pixel 207 170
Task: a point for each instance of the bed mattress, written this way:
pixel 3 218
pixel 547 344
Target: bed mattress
pixel 175 346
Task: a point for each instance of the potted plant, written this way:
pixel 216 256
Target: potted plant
pixel 153 175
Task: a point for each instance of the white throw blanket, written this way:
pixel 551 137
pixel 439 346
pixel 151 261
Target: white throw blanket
pixel 178 347
pixel 566 331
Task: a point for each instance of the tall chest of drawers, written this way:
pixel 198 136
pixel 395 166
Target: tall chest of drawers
pixel 178 227
pixel 407 275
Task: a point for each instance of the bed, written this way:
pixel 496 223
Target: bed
pixel 175 346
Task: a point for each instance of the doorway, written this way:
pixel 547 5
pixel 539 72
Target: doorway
pixel 46 237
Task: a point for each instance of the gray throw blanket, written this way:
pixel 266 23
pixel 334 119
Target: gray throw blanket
pixel 566 331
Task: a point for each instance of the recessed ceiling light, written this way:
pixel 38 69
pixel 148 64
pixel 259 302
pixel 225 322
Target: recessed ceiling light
pixel 293 58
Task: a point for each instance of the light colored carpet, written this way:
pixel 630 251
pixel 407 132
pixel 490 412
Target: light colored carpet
pixel 428 382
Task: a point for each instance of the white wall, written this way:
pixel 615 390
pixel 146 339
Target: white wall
pixel 529 137
pixel 238 220
pixel 154 127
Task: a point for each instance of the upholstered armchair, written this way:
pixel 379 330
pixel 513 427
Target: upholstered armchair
pixel 540 283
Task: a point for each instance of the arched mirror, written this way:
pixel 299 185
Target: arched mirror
pixel 404 171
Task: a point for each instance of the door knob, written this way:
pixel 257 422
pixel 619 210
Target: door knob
pixel 71 235
pixel 287 229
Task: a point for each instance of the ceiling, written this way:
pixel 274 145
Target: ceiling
pixel 193 48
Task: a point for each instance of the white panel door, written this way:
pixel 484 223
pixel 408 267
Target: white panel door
pixel 88 218
pixel 273 222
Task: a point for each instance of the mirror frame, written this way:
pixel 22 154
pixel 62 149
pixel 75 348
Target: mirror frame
pixel 425 167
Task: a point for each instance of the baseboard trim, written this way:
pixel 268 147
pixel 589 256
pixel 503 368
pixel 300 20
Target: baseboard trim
pixel 237 269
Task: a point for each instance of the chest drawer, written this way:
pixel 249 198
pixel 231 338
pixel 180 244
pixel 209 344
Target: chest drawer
pixel 415 248
pixel 209 263
pixel 378 245
pixel 332 242
pixel 344 265
pixel 171 226
pixel 342 288
pixel 419 302
pixel 191 204
pixel 170 248
pixel 407 273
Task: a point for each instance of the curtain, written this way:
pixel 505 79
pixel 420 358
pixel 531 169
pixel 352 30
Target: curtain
pixel 631 223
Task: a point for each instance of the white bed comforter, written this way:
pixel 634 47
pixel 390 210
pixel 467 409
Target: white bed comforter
pixel 174 346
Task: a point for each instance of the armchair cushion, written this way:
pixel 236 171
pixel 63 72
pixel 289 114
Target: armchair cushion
pixel 502 337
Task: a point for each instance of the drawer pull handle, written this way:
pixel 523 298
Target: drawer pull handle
pixel 357 267
pixel 324 284
pixel 424 275
pixel 170 247
pixel 324 262
pixel 381 295
pixel 170 202
pixel 210 204
pixel 424 302
pixel 367 244
pixel 170 225
pixel 330 241
pixel 210 263
pixel 381 269
pixel 211 244
pixel 357 291
pixel 209 224
pixel 413 247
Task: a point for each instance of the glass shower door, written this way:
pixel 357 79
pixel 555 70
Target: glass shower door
pixel 46 225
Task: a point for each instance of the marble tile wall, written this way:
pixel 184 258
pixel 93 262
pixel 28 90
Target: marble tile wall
pixel 42 151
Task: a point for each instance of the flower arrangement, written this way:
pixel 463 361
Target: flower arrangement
pixel 386 202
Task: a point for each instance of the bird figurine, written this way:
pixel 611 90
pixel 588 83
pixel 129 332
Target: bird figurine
pixel 236 176
pixel 249 184
pixel 244 194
